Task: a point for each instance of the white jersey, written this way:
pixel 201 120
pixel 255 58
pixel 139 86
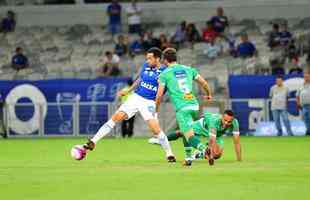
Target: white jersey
pixel 135 18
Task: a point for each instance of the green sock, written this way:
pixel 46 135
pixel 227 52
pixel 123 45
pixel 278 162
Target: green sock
pixel 187 148
pixel 194 141
pixel 172 135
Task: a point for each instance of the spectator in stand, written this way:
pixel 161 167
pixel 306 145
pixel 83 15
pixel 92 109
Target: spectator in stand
pixel 246 49
pixel 155 42
pixel 277 67
pixel 121 47
pixel 136 48
pixel 279 95
pixel 146 41
pixel 274 37
pixel 212 50
pixel 209 34
pixel 114 12
pixel 134 12
pixel 179 36
pixel 295 68
pixel 19 60
pixel 285 35
pixel 292 52
pixel 220 21
pixel 192 34
pixel 303 101
pixel 110 65
pixel 8 23
pixel 164 43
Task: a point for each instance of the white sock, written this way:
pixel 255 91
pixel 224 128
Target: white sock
pixel 163 141
pixel 103 131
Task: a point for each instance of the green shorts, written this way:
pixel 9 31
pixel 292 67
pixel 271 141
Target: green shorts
pixel 219 140
pixel 185 119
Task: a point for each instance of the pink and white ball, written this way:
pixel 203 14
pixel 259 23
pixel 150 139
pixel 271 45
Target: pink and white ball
pixel 78 152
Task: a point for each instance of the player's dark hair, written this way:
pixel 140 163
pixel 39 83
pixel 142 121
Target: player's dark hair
pixel 229 112
pixel 170 54
pixel 155 51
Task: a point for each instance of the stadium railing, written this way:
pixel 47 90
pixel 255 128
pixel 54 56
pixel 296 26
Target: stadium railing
pixel 73 119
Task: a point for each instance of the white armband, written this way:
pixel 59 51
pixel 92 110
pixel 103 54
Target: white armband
pixel 236 133
pixel 213 135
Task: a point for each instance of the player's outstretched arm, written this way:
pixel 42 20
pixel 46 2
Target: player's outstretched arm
pixel 159 95
pixel 212 140
pixel 237 145
pixel 131 88
pixel 203 83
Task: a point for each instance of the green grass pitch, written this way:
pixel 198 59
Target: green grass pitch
pixel 130 169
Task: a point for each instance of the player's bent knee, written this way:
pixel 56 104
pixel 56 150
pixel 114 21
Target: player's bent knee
pixel 119 116
pixel 178 133
pixel 189 134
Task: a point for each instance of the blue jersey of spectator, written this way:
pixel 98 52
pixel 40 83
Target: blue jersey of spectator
pixel 219 23
pixel 246 49
pixel 8 23
pixel 114 12
pixel 136 47
pixel 19 60
pixel 285 37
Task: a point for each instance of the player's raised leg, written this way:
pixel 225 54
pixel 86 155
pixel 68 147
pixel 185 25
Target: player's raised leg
pixel 105 129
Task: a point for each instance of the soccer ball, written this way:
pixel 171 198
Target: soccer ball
pixel 78 152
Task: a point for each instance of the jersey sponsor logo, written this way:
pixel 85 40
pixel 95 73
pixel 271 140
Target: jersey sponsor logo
pixel 148 86
pixel 152 73
pixel 188 96
pixel 180 74
pixel 151 109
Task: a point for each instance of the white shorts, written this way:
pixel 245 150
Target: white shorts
pixel 136 103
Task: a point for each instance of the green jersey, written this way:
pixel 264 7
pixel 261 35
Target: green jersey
pixel 211 121
pixel 178 80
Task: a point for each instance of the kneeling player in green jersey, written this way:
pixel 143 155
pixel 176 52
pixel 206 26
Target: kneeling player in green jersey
pixel 211 125
pixel 178 80
pixel 218 125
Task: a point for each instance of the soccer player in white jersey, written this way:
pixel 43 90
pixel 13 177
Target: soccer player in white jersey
pixel 142 101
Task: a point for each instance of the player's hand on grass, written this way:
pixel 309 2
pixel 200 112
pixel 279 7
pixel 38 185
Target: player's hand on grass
pixel 211 161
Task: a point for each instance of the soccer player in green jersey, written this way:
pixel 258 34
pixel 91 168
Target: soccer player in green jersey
pixel 216 125
pixel 178 80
